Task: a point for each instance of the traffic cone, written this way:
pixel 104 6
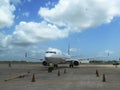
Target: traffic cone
pixel 97 73
pixel 58 72
pixel 64 71
pixel 9 64
pixel 33 78
pixel 104 79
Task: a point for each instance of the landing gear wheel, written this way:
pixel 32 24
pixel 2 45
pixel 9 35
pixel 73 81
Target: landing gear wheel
pixel 55 65
pixel 71 65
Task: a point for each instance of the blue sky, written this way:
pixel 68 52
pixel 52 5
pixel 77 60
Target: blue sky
pixel 92 27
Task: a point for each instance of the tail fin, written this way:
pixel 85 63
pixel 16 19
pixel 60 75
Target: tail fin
pixel 69 48
pixel 26 54
pixel 108 54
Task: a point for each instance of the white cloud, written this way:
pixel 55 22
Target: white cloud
pixel 6 13
pixel 74 49
pixel 48 3
pixel 105 53
pixel 4 40
pixel 108 52
pixel 31 33
pixel 15 2
pixel 72 15
pixel 29 0
pixel 26 14
pixel 81 14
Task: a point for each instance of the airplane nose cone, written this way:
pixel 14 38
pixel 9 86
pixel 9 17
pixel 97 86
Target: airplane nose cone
pixel 48 55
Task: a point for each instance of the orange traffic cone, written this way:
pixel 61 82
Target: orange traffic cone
pixel 58 72
pixel 104 78
pixel 97 73
pixel 64 71
pixel 33 78
pixel 9 64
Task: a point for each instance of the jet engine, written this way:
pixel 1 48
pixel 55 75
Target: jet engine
pixel 44 63
pixel 76 62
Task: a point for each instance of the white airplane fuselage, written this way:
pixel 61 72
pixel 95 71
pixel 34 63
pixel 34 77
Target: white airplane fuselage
pixel 55 57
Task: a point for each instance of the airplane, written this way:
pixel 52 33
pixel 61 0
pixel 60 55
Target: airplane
pixel 56 57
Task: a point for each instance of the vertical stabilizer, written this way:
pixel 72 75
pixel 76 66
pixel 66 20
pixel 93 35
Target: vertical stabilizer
pixel 69 48
pixel 26 54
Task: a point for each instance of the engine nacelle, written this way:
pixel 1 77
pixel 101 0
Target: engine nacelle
pixel 76 63
pixel 44 63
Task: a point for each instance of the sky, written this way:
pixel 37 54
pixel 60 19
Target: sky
pixel 90 27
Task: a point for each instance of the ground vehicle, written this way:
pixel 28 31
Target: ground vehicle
pixel 115 63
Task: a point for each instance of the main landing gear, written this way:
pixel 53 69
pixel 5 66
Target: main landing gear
pixel 71 65
pixel 55 66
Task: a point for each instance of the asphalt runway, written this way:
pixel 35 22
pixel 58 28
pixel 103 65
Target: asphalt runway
pixel 83 77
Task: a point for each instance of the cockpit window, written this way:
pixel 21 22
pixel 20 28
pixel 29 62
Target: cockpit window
pixel 51 52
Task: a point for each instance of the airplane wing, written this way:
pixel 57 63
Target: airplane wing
pixel 26 55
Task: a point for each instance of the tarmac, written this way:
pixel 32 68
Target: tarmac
pixel 83 77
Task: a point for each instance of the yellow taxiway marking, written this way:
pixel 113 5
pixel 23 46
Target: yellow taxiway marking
pixel 17 76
